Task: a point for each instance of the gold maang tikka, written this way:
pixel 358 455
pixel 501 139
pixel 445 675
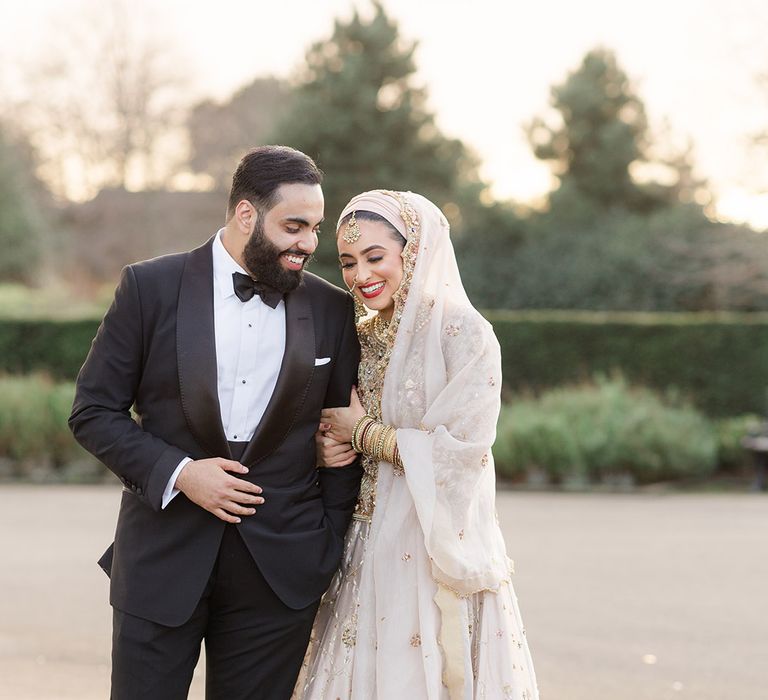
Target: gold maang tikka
pixel 353 230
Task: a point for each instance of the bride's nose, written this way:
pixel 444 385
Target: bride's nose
pixel 363 273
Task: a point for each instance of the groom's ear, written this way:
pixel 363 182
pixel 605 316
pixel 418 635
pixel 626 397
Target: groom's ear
pixel 245 216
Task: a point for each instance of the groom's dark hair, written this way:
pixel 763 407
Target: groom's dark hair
pixel 263 169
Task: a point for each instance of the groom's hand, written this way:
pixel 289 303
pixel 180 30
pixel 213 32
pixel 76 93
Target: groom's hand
pixel 331 453
pixel 206 483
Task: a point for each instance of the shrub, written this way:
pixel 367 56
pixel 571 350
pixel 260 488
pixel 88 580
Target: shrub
pixel 603 431
pixel 34 434
pixel 731 456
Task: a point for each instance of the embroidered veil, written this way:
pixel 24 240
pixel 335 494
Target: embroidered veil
pixel 442 393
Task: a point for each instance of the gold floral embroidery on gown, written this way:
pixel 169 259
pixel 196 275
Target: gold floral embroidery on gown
pixel 374 355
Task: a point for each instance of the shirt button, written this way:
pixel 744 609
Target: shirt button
pixel 243 381
pixel 250 325
pixel 235 436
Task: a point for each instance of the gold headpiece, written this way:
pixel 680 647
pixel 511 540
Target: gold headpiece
pixel 353 230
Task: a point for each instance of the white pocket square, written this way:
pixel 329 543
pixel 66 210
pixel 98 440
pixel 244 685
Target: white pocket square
pixel 322 361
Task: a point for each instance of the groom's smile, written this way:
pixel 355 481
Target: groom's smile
pixel 294 260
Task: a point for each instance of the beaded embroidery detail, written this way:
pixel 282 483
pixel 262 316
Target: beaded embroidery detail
pixel 377 338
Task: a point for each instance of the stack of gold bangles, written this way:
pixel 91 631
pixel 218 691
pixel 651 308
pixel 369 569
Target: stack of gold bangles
pixel 379 441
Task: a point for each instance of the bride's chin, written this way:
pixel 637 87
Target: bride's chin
pixel 378 304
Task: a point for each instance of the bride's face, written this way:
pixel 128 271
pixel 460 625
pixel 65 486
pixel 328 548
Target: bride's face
pixel 372 266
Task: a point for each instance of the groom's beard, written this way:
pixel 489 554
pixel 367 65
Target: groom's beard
pixel 262 260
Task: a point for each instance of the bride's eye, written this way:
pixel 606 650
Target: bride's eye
pixel 375 260
pixel 346 266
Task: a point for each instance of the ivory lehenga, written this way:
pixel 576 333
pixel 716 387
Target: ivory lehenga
pixel 422 606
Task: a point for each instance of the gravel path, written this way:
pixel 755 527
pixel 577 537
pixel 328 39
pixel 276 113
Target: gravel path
pixel 625 597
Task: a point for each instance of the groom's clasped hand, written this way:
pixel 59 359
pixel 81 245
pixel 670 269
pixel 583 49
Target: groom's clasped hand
pixel 207 483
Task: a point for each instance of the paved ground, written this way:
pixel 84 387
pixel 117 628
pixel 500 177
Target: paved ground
pixel 647 597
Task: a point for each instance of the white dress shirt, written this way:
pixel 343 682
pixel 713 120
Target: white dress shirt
pixel 250 344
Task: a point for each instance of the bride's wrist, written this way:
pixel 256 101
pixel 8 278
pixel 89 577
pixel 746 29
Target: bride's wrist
pixel 376 440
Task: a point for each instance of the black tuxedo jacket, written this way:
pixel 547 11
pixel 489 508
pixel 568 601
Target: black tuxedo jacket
pixel 155 351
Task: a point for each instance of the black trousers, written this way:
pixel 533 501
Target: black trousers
pixel 254 644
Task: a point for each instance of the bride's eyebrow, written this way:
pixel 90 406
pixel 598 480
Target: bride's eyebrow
pixel 363 252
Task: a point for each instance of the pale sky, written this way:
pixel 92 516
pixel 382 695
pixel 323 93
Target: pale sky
pixel 489 65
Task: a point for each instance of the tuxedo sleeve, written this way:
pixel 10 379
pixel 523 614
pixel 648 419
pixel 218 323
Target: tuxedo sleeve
pixel 340 485
pixel 106 389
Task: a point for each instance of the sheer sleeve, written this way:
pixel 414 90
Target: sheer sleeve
pixel 447 456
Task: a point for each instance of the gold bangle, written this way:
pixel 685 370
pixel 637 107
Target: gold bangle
pixel 391 453
pixel 381 439
pixel 378 441
pixel 369 439
pixel 391 446
pixel 397 460
pixel 356 446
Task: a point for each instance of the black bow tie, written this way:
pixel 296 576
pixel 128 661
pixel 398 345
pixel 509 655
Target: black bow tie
pixel 245 288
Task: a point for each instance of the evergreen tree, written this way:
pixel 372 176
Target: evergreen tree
pixel 21 220
pixel 602 132
pixel 359 114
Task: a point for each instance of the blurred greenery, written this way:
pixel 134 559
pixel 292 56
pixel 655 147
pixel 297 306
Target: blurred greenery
pixel 579 285
pixel 22 219
pixel 602 432
pixel 606 241
pixel 625 227
pixel 18 301
pixel 35 441
pixel 605 432
pixel 731 455
pixel 57 347
pixel 691 354
pixel 673 259
pixel 718 362
pixel 600 135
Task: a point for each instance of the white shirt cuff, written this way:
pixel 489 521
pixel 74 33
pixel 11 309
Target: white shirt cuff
pixel 170 489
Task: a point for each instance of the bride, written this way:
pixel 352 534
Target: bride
pixel 422 606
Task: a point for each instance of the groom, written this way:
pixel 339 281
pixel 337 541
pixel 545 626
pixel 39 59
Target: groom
pixel 227 532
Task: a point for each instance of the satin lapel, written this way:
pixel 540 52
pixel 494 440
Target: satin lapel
pixel 196 352
pixel 292 382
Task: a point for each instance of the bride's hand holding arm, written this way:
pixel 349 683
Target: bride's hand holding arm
pixel 339 422
pixel 365 434
pixel 333 438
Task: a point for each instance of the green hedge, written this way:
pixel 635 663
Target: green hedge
pixel 717 361
pixel 57 347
